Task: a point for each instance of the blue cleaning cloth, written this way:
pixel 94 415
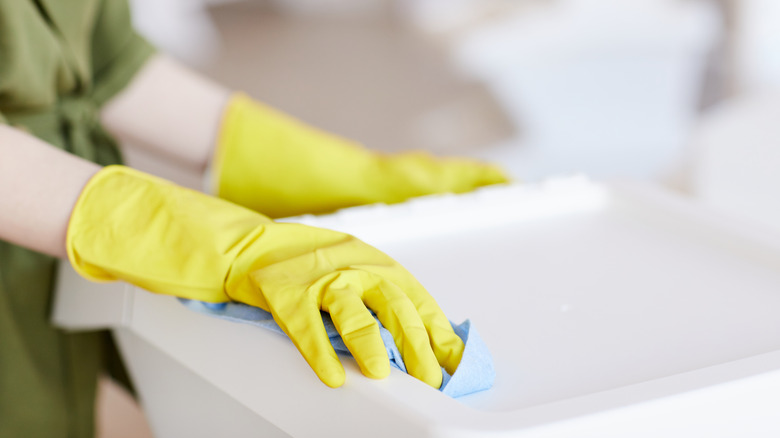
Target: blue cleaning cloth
pixel 475 372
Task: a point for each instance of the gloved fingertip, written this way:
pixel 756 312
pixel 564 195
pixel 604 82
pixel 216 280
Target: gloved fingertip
pixel 331 374
pixel 447 346
pixel 451 365
pixel 376 367
pixel 425 368
pixel 456 355
pixel 432 377
pixel 494 174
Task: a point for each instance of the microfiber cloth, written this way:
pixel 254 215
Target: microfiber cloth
pixel 475 371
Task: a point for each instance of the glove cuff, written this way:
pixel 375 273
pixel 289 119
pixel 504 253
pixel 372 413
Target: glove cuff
pixel 275 164
pixel 132 226
pixel 226 139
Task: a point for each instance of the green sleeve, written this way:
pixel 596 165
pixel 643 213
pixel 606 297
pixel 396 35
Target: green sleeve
pixel 118 52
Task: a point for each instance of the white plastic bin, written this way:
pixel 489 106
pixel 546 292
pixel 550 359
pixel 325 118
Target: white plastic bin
pixel 734 158
pixel 610 310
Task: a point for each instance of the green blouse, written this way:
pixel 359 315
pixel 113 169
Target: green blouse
pixel 60 60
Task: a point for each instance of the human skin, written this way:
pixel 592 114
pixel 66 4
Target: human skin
pixel 39 185
pixel 166 109
pixel 173 112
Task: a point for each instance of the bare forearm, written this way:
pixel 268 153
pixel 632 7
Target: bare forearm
pixel 170 110
pixel 39 185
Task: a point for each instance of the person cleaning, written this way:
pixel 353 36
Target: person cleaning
pixel 74 76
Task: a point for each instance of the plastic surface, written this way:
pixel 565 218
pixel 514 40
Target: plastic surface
pixel 611 310
pixel 734 157
pixel 596 288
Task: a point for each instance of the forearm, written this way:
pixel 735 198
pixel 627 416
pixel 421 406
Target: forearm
pixel 170 110
pixel 39 185
pixel 268 161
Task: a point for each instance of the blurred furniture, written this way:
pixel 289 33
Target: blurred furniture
pixel 605 87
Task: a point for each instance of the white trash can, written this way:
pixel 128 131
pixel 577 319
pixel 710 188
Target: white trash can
pixel 610 311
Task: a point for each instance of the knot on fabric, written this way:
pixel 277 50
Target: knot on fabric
pixel 78 111
pixel 80 124
pixel 71 123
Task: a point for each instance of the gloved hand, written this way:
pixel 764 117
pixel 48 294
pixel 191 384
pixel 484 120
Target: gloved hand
pixel 167 239
pixel 280 167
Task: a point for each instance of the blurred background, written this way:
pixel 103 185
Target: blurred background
pixel 605 87
pixel 675 92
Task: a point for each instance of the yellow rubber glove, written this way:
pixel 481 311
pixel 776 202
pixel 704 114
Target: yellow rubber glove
pixel 167 239
pixel 280 167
